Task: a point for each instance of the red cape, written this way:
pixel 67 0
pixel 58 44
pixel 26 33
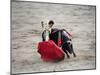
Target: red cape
pixel 49 51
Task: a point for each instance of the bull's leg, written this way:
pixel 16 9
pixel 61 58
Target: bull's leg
pixel 67 55
pixel 73 51
pixel 65 52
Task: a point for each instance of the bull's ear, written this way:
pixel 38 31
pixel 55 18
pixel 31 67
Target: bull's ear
pixel 42 24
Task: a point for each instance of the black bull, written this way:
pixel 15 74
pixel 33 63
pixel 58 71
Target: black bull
pixel 66 43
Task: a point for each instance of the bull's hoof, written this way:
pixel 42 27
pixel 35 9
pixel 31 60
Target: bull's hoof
pixel 74 55
pixel 68 56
